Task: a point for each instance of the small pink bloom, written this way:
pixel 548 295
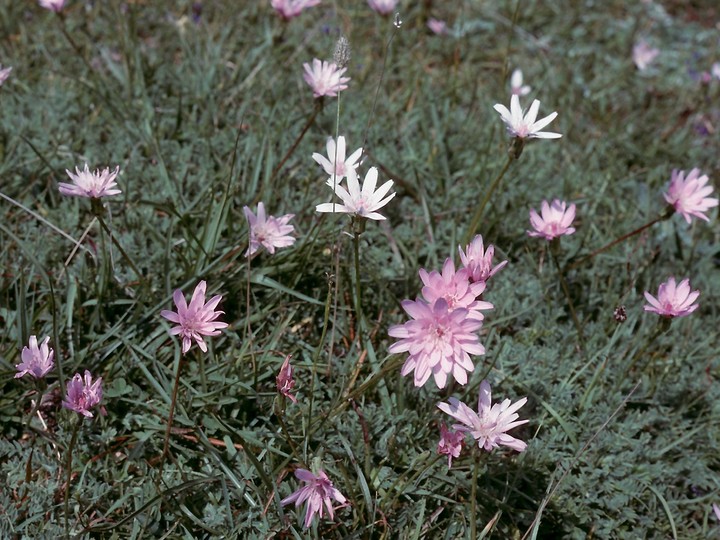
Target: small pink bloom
pixel 455 288
pixel 478 261
pixel 325 78
pixel 672 300
pixel 93 185
pixel 689 195
pixel 437 26
pixel 285 381
pixel 36 360
pixel 268 231
pixel 716 509
pixel 517 87
pixel 288 9
pixel 361 202
pixel 715 70
pixel 81 396
pixel 489 425
pixel 195 320
pixel 317 491
pixel 384 7
pixel 525 126
pixel 555 220
pixel 439 342
pixel 451 443
pixel 4 74
pixel 336 165
pixel 53 5
pixel 643 54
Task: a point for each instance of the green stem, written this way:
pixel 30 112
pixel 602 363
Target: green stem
pixel 554 246
pixel 358 291
pixel 173 401
pixel 299 138
pixel 473 495
pixel 68 477
pixel 477 216
pixel 118 246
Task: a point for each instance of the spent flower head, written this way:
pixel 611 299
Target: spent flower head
pixel 195 320
pixel 455 288
pixel 478 261
pixel 288 9
pixel 673 300
pixel 317 493
pixel 384 7
pixel 643 54
pixel 336 164
pixel 4 74
pixel 268 231
pixel 555 220
pixel 451 443
pixel 82 394
pixel 489 426
pixel 325 78
pixel 526 126
pixel 91 184
pixel 52 5
pixel 689 195
pixel 517 88
pixel 37 360
pixel 285 381
pixel 361 202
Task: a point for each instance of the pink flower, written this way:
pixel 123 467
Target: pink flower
pixel 437 26
pixel 384 7
pixel 81 396
pixel 455 288
pixel 716 509
pixel 517 88
pixel 93 185
pixel 555 220
pixel 195 320
pixel 489 425
pixel 325 78
pixel 439 340
pixel 451 443
pixel 525 126
pixel 643 54
pixel 288 9
pixel 715 70
pixel 689 195
pixel 336 165
pixel 478 262
pixel 268 231
pixel 318 490
pixel 53 5
pixel 672 300
pixel 36 360
pixel 4 74
pixel 363 202
pixel 285 380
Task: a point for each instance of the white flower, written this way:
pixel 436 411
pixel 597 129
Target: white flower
pixel 335 163
pixel 525 127
pixel 516 84
pixel 361 202
pixel 643 54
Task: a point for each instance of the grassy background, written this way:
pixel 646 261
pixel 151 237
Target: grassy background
pixel 198 116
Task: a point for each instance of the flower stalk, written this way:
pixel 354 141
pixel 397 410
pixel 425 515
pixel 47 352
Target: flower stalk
pixel 477 216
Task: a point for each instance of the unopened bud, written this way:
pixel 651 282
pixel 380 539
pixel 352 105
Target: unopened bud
pixel 342 52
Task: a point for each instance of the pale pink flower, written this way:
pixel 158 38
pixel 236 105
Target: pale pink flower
pixel 715 70
pixel 336 165
pixel 455 288
pixel 268 231
pixel 195 320
pixel 555 220
pixel 325 78
pixel 437 26
pixel 384 7
pixel 53 5
pixel 361 202
pixel 451 443
pixel 317 491
pixel 672 300
pixel 288 9
pixel 517 87
pixel 489 425
pixel 285 381
pixel 643 54
pixel 37 360
pixel 93 185
pixel 4 74
pixel 439 342
pixel 525 126
pixel 716 509
pixel 478 261
pixel 689 195
pixel 81 395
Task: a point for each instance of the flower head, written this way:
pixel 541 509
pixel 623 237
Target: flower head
pixel 525 126
pixel 489 425
pixel 37 360
pixel 195 320
pixel 437 26
pixel 689 196
pixel 325 78
pixel 4 74
pixel 288 9
pixel 439 342
pixel 82 394
pixel 673 300
pixel 268 231
pixel 555 220
pixel 455 288
pixel 716 510
pixel 285 380
pixel 715 70
pixel 643 54
pixel 53 5
pixel 93 185
pixel 451 443
pixel 384 7
pixel 517 88
pixel 336 165
pixel 361 202
pixel 478 261
pixel 317 491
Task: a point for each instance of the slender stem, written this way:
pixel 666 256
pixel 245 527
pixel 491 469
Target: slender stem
pixel 285 431
pixel 297 141
pixel 477 216
pixel 120 248
pixel 248 329
pixel 171 415
pixel 68 477
pixel 316 356
pixel 358 291
pixel 473 496
pixel 554 245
